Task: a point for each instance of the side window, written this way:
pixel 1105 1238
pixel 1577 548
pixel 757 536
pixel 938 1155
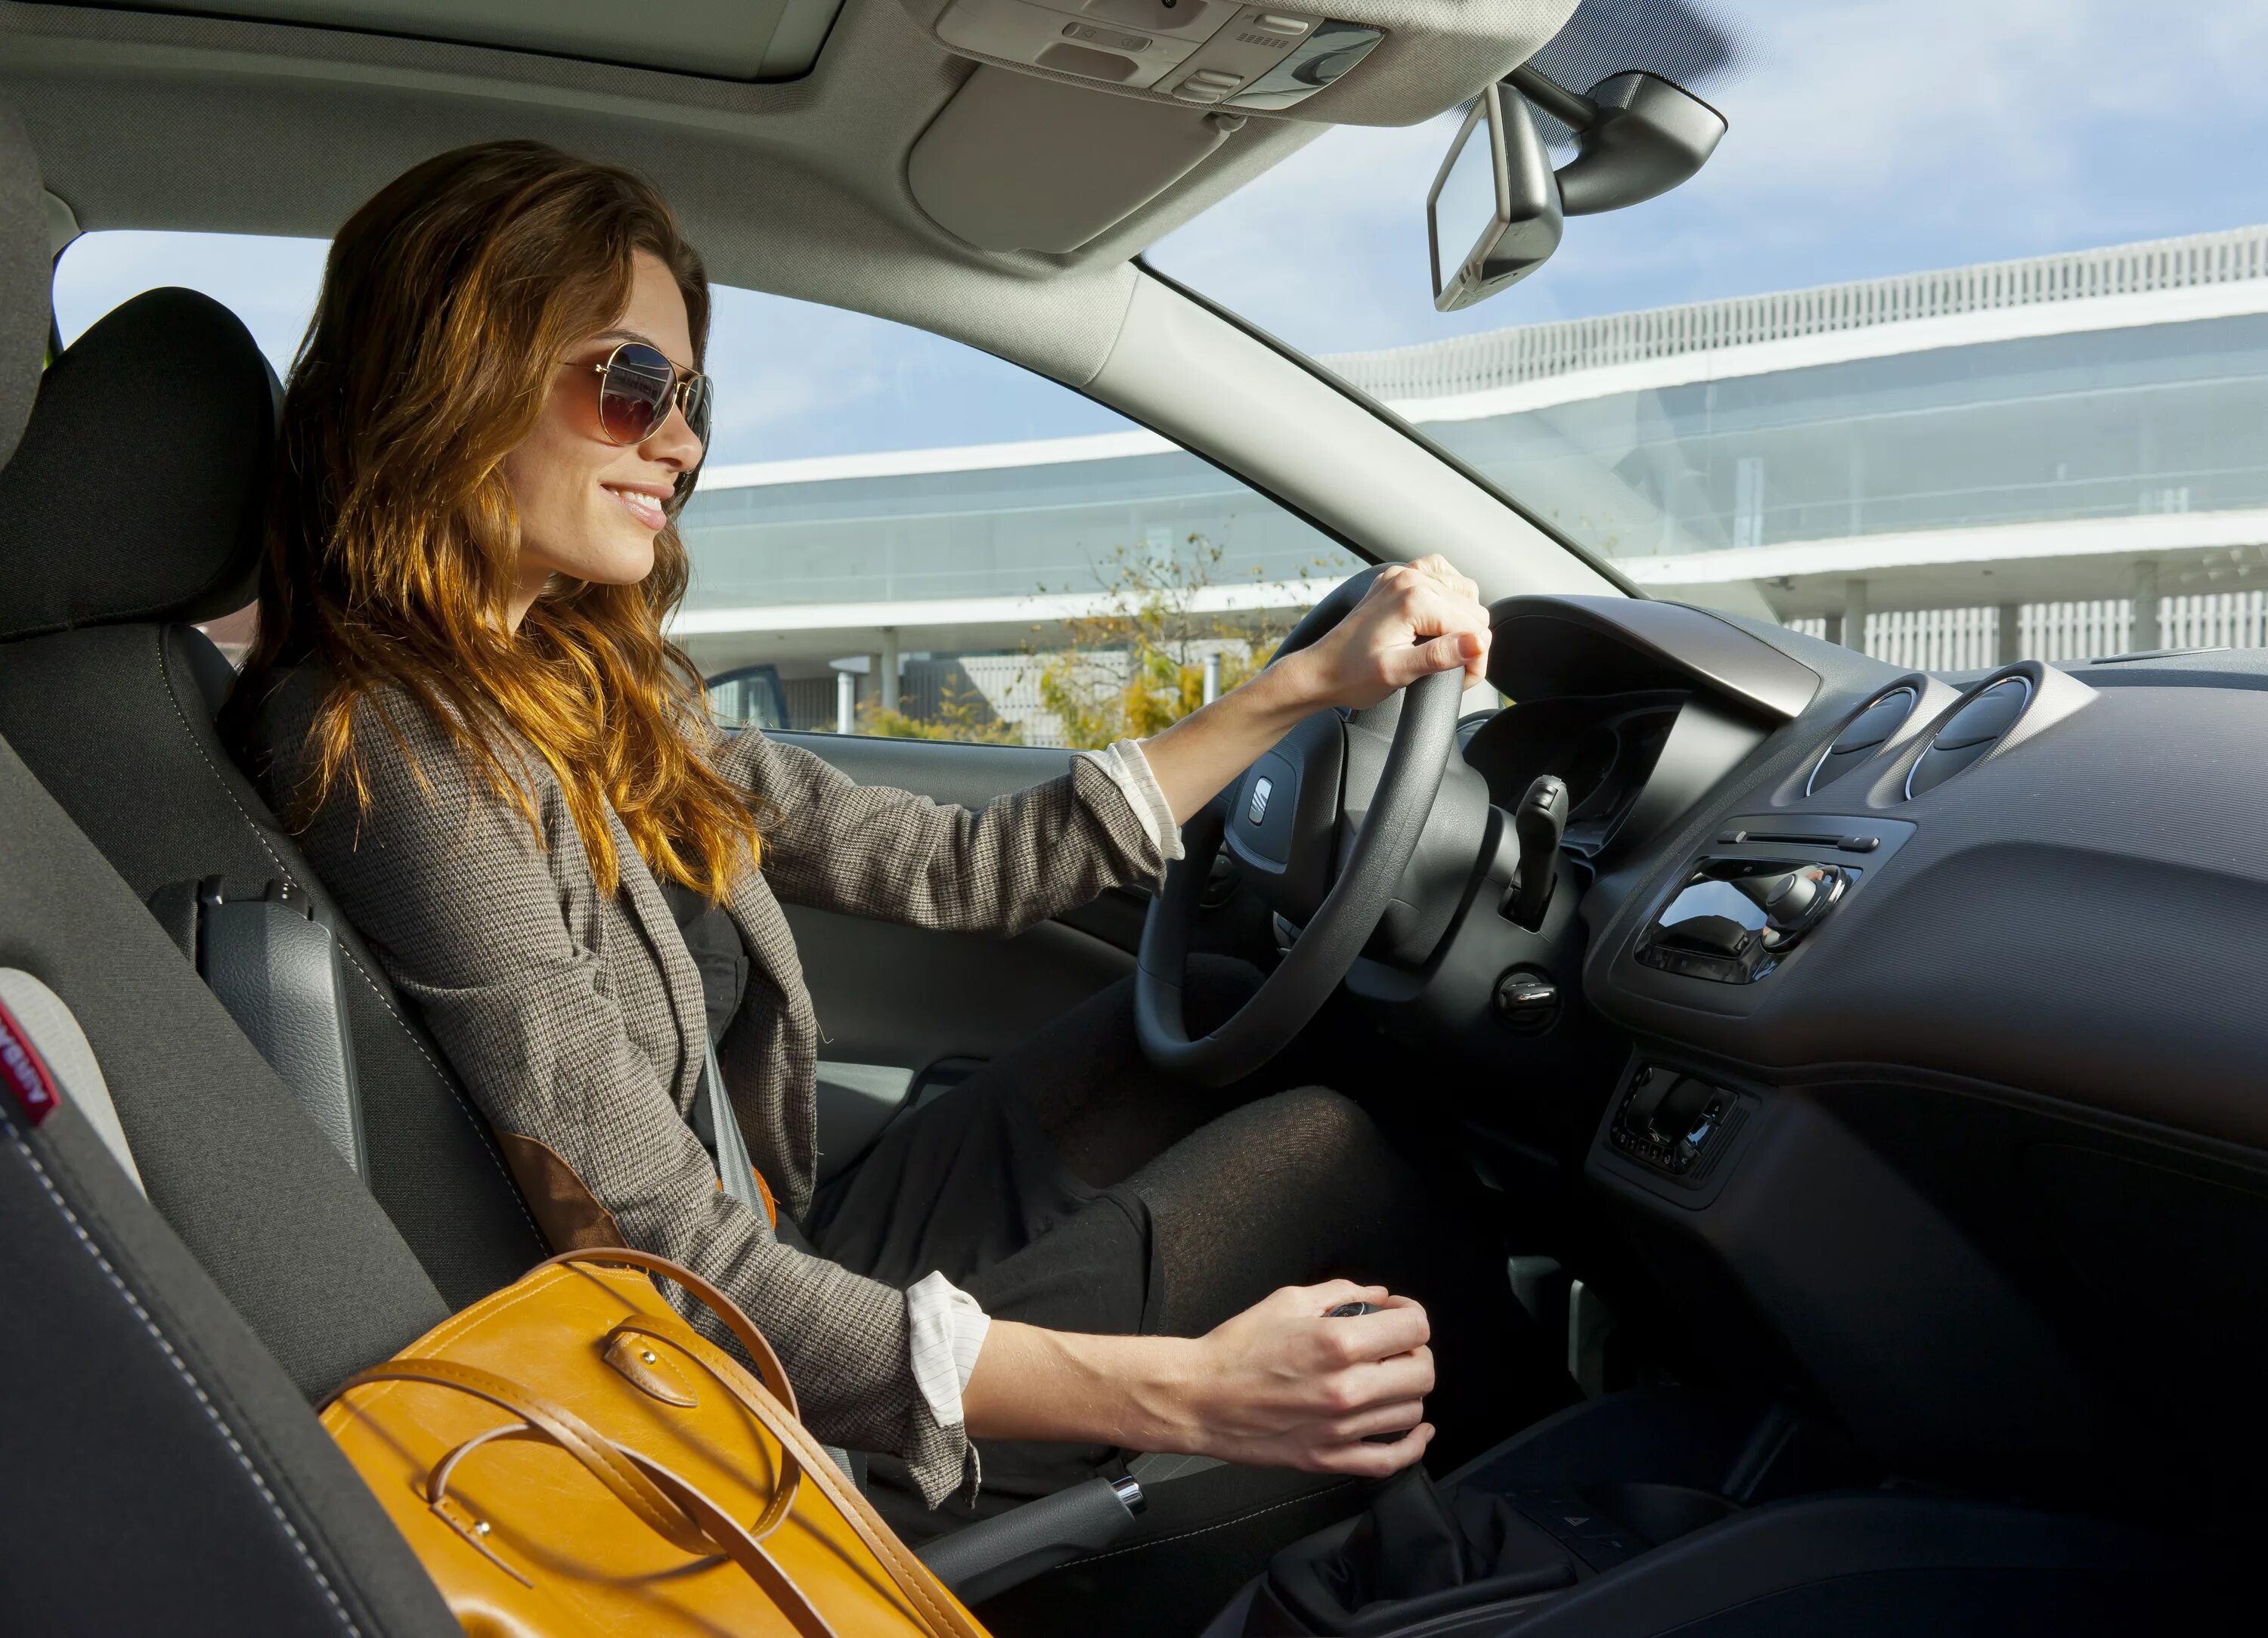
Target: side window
pixel 899 535
pixel 271 284
pixel 893 534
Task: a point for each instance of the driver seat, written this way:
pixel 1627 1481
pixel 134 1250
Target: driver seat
pixel 135 502
pixel 108 693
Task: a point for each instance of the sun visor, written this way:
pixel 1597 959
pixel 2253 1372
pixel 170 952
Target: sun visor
pixel 742 39
pixel 1360 62
pixel 1016 163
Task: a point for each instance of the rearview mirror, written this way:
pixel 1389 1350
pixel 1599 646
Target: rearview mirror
pixel 1493 213
pixel 1637 137
pixel 1496 211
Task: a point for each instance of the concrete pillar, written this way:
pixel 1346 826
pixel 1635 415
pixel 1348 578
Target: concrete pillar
pixel 886 671
pixel 2011 636
pixel 846 703
pixel 2144 634
pixel 1855 613
pixel 1211 678
pixel 1834 633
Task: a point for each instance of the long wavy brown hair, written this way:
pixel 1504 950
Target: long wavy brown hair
pixel 394 543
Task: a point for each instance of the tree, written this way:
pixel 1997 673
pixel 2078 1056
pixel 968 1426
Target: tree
pixel 1139 664
pixel 962 713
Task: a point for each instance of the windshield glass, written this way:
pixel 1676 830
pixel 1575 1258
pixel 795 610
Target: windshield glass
pixel 1956 348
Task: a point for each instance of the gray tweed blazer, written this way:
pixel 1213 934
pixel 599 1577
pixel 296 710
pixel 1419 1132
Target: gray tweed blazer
pixel 577 1020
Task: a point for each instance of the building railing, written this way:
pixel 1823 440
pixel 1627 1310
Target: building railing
pixel 1969 639
pixel 1471 364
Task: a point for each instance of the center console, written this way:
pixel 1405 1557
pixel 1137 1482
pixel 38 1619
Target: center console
pixel 1678 1510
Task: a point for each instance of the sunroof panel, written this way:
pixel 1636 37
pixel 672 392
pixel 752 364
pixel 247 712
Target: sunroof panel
pixel 720 38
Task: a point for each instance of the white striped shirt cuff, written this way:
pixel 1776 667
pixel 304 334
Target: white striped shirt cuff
pixel 947 1329
pixel 1129 770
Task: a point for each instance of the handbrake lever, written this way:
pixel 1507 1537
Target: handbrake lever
pixel 1540 822
pixel 997 1553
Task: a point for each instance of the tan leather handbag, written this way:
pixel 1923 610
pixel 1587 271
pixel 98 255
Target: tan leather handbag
pixel 570 1458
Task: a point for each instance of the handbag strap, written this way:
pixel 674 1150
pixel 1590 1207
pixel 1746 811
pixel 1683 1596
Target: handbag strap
pixel 913 1579
pixel 791 1484
pixel 674 1509
pixel 782 1421
pixel 743 1329
pixel 599 1455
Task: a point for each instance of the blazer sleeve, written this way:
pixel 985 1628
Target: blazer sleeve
pixel 458 897
pixel 870 851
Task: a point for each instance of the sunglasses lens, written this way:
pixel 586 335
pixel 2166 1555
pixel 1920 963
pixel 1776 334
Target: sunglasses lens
pixel 634 393
pixel 696 411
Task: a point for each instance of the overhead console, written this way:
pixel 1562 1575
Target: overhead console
pixel 1206 52
pixel 1084 112
pixel 1338 62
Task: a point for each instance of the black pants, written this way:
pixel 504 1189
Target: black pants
pixel 1071 1185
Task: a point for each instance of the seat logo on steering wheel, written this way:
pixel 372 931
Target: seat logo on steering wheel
pixel 1262 788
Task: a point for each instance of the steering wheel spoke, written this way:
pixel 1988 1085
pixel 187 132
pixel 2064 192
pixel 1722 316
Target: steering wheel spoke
pixel 1281 823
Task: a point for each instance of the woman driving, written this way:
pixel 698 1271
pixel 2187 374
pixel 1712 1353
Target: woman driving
pixel 462 695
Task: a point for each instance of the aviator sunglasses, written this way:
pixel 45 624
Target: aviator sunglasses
pixel 637 386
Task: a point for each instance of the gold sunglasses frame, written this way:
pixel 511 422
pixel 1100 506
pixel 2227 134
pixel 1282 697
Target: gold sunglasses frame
pixel 680 385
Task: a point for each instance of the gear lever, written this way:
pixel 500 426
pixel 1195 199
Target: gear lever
pixel 1539 822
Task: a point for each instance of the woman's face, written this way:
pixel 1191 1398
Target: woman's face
pixel 590 507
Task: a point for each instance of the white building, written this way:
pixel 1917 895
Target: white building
pixel 2055 456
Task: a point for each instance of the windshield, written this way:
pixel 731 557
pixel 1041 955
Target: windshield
pixel 1956 350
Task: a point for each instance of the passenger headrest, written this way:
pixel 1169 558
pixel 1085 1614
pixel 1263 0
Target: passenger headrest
pixel 26 278
pixel 140 486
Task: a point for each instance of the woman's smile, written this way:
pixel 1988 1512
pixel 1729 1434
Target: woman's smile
pixel 643 502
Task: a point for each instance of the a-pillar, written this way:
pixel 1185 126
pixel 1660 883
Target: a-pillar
pixel 1854 614
pixel 2144 634
pixel 2011 640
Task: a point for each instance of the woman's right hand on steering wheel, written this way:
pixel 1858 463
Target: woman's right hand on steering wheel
pixel 1413 619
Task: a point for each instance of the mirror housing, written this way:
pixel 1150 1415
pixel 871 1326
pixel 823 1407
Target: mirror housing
pixel 1637 137
pixel 1524 226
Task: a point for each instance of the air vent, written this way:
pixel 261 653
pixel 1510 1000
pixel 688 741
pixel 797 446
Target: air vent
pixel 1971 733
pixel 1862 737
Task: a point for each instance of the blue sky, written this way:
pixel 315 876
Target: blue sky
pixel 1867 137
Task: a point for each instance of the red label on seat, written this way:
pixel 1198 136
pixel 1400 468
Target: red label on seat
pixel 21 1069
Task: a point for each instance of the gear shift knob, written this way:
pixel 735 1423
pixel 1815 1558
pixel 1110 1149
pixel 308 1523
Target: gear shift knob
pixel 1539 822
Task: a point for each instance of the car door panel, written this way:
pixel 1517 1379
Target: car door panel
pixel 892 994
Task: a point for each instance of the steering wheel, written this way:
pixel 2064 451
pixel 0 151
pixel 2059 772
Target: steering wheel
pixel 1290 821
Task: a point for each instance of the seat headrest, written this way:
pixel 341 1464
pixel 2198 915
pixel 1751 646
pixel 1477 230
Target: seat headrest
pixel 139 488
pixel 26 278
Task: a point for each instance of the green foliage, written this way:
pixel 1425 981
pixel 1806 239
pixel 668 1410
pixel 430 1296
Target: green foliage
pixel 962 715
pixel 1139 665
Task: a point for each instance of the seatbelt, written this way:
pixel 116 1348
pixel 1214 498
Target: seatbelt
pixel 734 1169
pixel 272 959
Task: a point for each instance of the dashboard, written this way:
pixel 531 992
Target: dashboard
pixel 1908 1032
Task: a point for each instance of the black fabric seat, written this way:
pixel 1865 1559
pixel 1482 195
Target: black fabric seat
pixel 134 505
pixel 157 1445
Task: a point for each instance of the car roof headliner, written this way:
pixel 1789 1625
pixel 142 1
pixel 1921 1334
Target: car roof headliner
pixel 169 120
